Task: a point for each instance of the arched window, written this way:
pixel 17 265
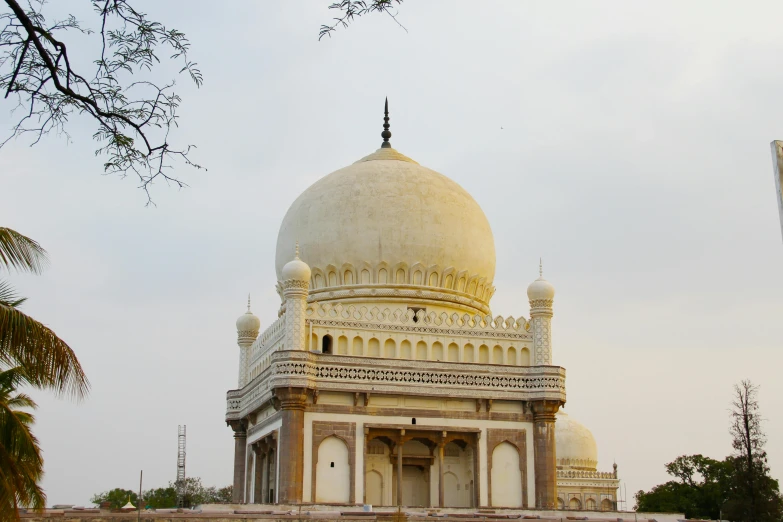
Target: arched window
pixel 358 346
pixel 326 344
pixel 374 347
pixel 437 351
pixel 421 351
pixel 497 355
pixel 467 352
pixel 607 505
pixel 453 352
pixel 574 504
pixel 389 349
pixel 524 357
pixel 405 350
pixel 590 504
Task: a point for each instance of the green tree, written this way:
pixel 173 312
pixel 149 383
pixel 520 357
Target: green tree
pixel 117 496
pixel 21 465
pixel 161 497
pixel 752 495
pixel 30 353
pixel 697 493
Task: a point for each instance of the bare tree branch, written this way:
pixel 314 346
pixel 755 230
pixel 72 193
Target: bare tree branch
pixel 351 9
pixel 134 119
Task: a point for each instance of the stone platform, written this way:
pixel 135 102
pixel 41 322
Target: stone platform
pixel 323 513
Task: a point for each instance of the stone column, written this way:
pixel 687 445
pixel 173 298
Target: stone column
pixel 296 282
pixel 240 452
pixel 291 403
pixel 248 326
pixel 271 476
pixel 544 453
pixel 541 320
pixel 541 295
pixel 258 491
pixel 399 467
pixel 441 485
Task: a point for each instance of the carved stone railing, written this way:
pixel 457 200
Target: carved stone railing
pixel 265 342
pixel 584 474
pixel 365 374
pixel 408 320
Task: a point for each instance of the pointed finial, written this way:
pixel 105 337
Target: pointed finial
pixel 248 303
pixel 540 267
pixel 386 134
pixel 296 254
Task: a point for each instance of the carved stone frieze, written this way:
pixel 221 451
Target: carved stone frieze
pixel 305 370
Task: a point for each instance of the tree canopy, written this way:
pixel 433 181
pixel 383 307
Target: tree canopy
pixel 194 494
pixel 738 488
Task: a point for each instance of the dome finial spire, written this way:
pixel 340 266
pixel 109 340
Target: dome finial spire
pixel 386 134
pixel 540 267
pixel 248 302
pixel 296 254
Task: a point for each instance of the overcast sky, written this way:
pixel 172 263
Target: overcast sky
pixel 626 143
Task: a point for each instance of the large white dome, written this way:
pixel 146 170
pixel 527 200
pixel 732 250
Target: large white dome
pixel 388 228
pixel 575 446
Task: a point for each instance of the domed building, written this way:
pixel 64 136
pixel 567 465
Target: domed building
pixel 580 486
pixel 385 378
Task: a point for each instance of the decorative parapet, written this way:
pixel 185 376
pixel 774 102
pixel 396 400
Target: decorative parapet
pixel 408 320
pixel 302 369
pixel 268 340
pixel 585 474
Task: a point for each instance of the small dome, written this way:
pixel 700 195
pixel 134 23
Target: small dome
pixel 248 322
pixel 540 289
pixel 575 446
pixel 296 269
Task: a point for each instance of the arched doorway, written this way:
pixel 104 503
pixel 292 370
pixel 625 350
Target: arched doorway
pixel 506 476
pixel 373 488
pixel 333 472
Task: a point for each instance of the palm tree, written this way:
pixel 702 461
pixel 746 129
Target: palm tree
pixel 32 354
pixel 48 361
pixel 20 455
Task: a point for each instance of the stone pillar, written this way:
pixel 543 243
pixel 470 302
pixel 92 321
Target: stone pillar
pixel 399 467
pixel 541 321
pixel 441 485
pixel 541 295
pixel 240 452
pixel 258 489
pixel 296 282
pixel 271 476
pixel 291 403
pixel 244 357
pixel 248 326
pixel 544 453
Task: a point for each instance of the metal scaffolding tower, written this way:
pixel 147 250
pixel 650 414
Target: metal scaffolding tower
pixel 180 465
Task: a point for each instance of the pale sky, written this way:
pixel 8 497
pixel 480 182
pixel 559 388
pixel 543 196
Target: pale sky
pixel 633 157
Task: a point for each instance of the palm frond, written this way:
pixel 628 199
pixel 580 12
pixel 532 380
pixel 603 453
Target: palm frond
pixel 21 252
pixel 8 295
pixel 21 464
pixel 47 360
